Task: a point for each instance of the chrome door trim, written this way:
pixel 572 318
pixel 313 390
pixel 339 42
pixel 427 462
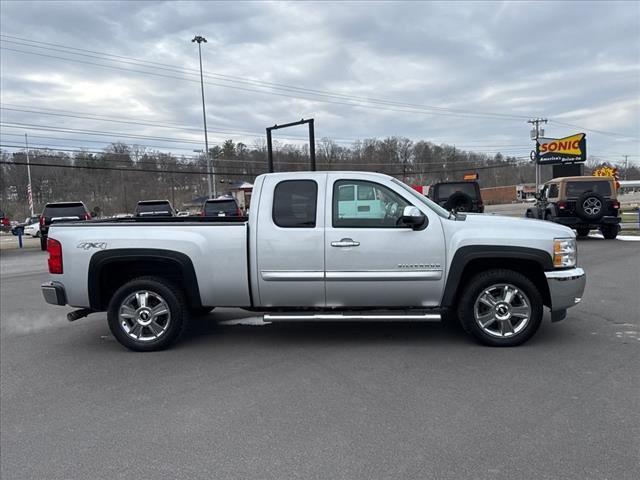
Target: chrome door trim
pixel 382 275
pixel 288 275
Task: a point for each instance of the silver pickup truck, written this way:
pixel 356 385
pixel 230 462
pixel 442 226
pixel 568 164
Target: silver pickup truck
pixel 318 246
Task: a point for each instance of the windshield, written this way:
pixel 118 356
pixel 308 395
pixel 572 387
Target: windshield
pixel 429 203
pixel 445 190
pixel 154 208
pixel 72 210
pixel 228 207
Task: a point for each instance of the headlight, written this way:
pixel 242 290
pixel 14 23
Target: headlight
pixel 565 252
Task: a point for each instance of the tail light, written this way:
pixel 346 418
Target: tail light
pixel 615 205
pixel 54 247
pixel 562 205
pixel 202 214
pixel 239 212
pixel 87 216
pixel 5 221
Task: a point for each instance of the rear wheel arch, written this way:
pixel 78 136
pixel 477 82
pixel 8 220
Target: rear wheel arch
pixel 469 261
pixel 110 269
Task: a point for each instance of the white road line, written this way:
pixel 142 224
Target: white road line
pixel 624 238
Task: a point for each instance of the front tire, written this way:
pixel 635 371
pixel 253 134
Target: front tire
pixel 500 308
pixel 147 314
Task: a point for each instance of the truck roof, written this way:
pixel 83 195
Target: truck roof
pixel 588 178
pixel 323 172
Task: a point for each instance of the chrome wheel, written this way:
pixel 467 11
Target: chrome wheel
pixel 502 310
pixel 592 206
pixel 144 316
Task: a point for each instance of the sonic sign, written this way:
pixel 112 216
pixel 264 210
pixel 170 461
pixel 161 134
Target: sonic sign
pixel 562 150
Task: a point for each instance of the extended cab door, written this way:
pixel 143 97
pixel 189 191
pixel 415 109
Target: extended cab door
pixel 372 260
pixel 290 233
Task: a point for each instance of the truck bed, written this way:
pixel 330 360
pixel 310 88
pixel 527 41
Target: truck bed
pixel 216 247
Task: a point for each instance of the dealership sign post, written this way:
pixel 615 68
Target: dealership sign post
pixel 553 151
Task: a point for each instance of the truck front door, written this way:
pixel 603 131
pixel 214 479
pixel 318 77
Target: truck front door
pixel 373 260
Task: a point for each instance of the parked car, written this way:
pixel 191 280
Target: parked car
pixel 30 226
pixel 60 212
pixel 154 208
pixel 582 203
pixel 221 207
pixel 5 223
pixel 298 259
pixel 458 196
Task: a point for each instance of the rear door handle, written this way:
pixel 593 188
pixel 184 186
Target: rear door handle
pixel 345 242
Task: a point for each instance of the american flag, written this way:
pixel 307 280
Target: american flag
pixel 30 197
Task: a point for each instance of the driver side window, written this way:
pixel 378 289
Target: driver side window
pixel 362 204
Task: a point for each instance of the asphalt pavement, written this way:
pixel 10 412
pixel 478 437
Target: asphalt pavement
pixel 247 400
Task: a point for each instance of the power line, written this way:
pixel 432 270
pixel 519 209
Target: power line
pixel 415 108
pixel 242 162
pixel 300 97
pixel 191 172
pixel 245 80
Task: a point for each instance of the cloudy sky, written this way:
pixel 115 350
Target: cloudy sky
pixel 82 74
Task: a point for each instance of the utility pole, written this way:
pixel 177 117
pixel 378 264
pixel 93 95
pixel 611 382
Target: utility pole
pixel 29 187
pixel 626 166
pixel 535 134
pixel 211 191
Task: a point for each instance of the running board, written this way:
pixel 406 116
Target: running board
pixel 352 317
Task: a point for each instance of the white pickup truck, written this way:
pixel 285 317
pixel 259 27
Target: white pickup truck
pixel 318 246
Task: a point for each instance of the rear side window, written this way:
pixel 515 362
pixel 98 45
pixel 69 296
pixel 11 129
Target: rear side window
pixel 68 210
pixel 295 203
pixel 228 207
pixel 575 189
pixel 553 191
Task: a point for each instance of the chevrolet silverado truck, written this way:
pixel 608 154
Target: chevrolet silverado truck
pixel 311 251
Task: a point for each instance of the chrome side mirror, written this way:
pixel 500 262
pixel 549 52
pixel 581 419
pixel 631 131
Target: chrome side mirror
pixel 412 217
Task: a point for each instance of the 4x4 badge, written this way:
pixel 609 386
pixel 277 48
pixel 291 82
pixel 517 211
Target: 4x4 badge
pixel 90 245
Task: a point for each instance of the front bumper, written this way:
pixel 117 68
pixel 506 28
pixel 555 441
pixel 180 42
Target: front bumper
pixel 53 293
pixel 566 287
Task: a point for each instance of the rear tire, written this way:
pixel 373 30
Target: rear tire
pixel 500 308
pixel 147 314
pixel 583 231
pixel 43 242
pixel 610 232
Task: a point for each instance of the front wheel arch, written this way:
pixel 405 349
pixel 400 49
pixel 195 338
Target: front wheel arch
pixel 471 260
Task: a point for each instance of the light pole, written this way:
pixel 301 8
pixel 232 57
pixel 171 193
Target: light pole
pixel 211 192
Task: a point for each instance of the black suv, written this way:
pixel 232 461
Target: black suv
pixel 154 208
pixel 458 196
pixel 59 212
pixel 582 203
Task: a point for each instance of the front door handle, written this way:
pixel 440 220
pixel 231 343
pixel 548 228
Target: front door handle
pixel 345 242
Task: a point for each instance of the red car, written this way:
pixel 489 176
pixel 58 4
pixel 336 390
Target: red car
pixel 5 224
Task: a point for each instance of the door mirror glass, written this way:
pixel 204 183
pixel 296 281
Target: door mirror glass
pixel 412 217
